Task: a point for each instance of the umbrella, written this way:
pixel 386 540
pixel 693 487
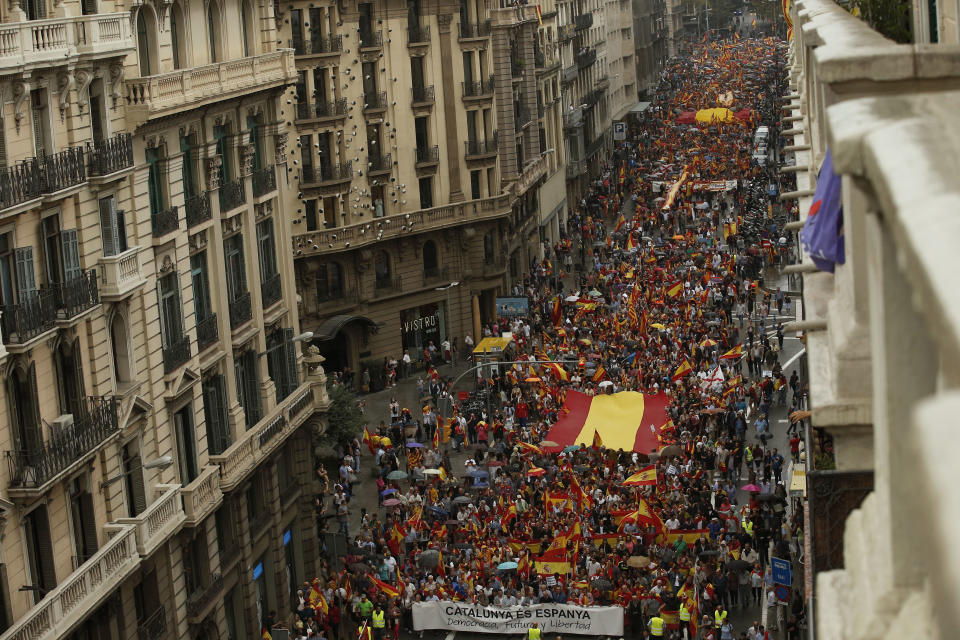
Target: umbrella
pixel 391 502
pixel 359 567
pixel 431 472
pixel 549 443
pixel 657 325
pixel 751 488
pixel 605 383
pixel 594 294
pixel 738 565
pixel 388 491
pixel 770 497
pixel 507 566
pixel 532 379
pixel 463 500
pixel 429 558
pixel 397 475
pixel 670 450
pixel 638 562
pixel 414 445
pixel 571 447
pixel 536 472
pixel 571 299
pixel 709 553
pixel 603 584
pixel 708 343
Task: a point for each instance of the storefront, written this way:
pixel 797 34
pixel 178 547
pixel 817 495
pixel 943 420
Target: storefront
pixel 422 325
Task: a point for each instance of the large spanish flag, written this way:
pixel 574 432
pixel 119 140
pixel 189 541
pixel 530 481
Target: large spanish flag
pixel 623 421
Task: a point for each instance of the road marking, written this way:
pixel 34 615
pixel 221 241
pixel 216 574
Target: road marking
pixel 794 358
pixel 451 635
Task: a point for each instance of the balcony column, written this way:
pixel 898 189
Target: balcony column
pixel 503 100
pixel 449 46
pixel 528 93
pixel 248 591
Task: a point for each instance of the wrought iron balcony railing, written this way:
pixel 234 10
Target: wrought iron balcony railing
pixel 264 181
pixel 94 420
pixel 583 21
pixel 154 626
pixel 241 310
pixel 164 222
pixel 375 100
pixel 200 599
pixel 76 295
pixel 586 58
pixel 176 355
pixel 469 31
pixel 322 109
pixel 428 155
pixel 316 44
pixel 371 39
pixel 419 34
pixel 20 183
pixel 271 290
pixel 422 95
pixel 481 147
pixel 207 332
pixel 111 155
pixel 34 315
pixel 232 195
pixel 327 173
pixel 477 89
pixel 197 209
pixel 379 163
pixel 63 170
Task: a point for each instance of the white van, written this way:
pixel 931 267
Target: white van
pixel 761 135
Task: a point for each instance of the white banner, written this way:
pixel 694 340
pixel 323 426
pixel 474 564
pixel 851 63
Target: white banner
pixel 551 618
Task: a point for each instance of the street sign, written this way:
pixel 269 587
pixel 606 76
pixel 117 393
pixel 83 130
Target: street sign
pixel 782 573
pixel 620 131
pixel 782 593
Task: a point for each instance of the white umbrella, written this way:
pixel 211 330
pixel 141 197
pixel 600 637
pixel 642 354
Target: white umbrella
pixel 605 383
pixel 571 299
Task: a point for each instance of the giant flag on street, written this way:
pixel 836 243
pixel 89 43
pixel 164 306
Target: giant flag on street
pixel 623 420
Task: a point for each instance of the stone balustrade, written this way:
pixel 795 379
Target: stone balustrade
pixel 120 274
pixel 162 519
pixel 40 43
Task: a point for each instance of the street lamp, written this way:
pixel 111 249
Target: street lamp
pixel 448 313
pixel 160 463
pixel 306 335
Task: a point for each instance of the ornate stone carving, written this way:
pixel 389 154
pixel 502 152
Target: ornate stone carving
pixel 167 264
pixel 213 172
pixel 246 159
pixel 443 22
pixel 20 94
pixel 231 225
pixel 82 79
pixel 198 241
pixel 280 148
pixel 116 82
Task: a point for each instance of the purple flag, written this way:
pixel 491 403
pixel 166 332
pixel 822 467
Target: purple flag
pixel 822 235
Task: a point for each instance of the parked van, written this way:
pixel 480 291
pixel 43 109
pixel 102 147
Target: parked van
pixel 761 136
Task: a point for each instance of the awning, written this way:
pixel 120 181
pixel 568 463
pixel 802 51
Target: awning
pixel 640 107
pixel 798 480
pixel 332 325
pixel 492 346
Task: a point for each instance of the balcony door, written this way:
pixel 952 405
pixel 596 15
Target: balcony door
pixel 248 386
pixel 215 414
pixel 36 533
pixel 186 445
pixel 113 227
pixel 83 521
pixel 236 269
pixel 171 319
pixel 133 480
pixel 70 391
pixel 25 412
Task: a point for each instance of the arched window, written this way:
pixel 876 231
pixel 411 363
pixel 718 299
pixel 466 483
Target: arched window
pixel 121 351
pixel 381 269
pixel 430 259
pixel 329 282
pixel 213 30
pixel 147 41
pixel 178 39
pixel 69 367
pixel 248 28
pixel 24 409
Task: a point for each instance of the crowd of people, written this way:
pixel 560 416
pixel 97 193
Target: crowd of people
pixel 673 302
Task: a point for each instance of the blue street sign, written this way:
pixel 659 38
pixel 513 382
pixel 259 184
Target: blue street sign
pixel 781 571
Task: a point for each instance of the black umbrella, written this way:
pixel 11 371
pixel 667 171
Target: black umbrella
pixel 603 584
pixel 770 497
pixel 708 554
pixel 738 565
pixel 359 567
pixel 429 559
pixel 463 500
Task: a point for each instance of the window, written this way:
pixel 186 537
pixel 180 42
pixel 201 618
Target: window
pixel 266 251
pixel 98 124
pixel 113 227
pixel 306 156
pixel 236 270
pixel 171 322
pixel 42 134
pixel 381 270
pixel 416 69
pixel 36 9
pixel 426 192
pixel 201 286
pixel 488 247
pixel 475 185
pixel 83 521
pixel 196 562
pixel 69 369
pixel 420 128
pixel 51 248
pixel 248 386
pixel 8 291
pixel 133 480
pixel 310 213
pixel 154 180
pixel 121 350
pixel 215 414
pixel 25 410
pixel 186 445
pixel 248 29
pixel 213 30
pixel 177 37
pixel 369 70
pixel 188 171
pixel 36 532
pixel 226 536
pixel 472 126
pixel 256 139
pixel 146 41
pixel 365 19
pixel 430 258
pixel 282 362
pixel 468 68
pixel 329 282
pixel 223 150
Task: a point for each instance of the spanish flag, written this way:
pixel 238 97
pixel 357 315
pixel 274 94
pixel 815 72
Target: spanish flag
pixel 682 370
pixel 631 245
pixel 622 419
pixel 552 562
pixel 620 222
pixel 597 440
pixel 733 354
pixel 600 374
pixel 646 477
pixel 530 448
pixel 436 433
pixel 367 440
pixel 556 313
pixel 690 536
pixel 675 289
pixel 387 589
pixel 735 382
pixel 558 371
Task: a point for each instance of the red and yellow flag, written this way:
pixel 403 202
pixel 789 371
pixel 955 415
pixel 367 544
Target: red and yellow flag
pixel 386 588
pixel 675 289
pixel 733 354
pixel 622 419
pixel 599 374
pixel 646 477
pixel 597 440
pixel 558 371
pixel 682 370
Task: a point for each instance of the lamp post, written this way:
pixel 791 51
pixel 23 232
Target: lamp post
pixel 160 463
pixel 306 335
pixel 448 313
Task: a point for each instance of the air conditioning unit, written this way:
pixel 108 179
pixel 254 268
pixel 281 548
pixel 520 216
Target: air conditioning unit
pixel 62 422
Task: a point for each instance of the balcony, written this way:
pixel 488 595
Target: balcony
pixel 208 331
pixel 575 168
pixel 164 222
pixel 197 209
pixel 202 496
pixel 110 155
pixel 76 295
pixel 593 97
pixel 475 149
pixel 264 181
pixel 566 32
pixel 418 35
pixel 371 40
pixel 20 183
pixel 232 195
pixel 317 45
pixel 25 321
pixel 83 590
pixel 271 291
pixel 423 95
pixel 435 274
pixel 478 89
pixel 377 164
pixel 387 286
pixel 176 355
pixel 120 274
pixel 154 626
pixel 442 217
pixel 321 110
pixel 259 443
pixel 596 145
pixel 241 310
pixel 326 175
pixel 161 520
pixel 170 93
pixel 583 21
pixel 427 156
pixel 376 101
pixel 31 469
pixel 585 58
pixel 60 41
pixel 63 170
pixel 569 74
pixel 200 601
pixel 573 119
pixel 521 118
pixel 476 31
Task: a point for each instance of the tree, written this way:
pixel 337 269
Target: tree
pixel 344 419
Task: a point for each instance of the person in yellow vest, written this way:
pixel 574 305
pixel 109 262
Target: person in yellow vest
pixel 747 525
pixel 719 616
pixel 378 621
pixel 534 632
pixel 684 616
pixel 657 626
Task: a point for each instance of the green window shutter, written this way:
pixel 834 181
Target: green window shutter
pixel 26 280
pixel 71 254
pixel 290 351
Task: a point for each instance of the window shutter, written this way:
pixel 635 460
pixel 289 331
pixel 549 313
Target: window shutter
pixel 48 574
pixel 275 363
pixel 139 496
pixel 107 231
pixel 241 382
pixel 71 255
pixel 37 117
pixel 253 388
pixel 261 253
pixel 118 227
pixel 26 280
pixel 3 146
pixel 89 522
pixel 213 396
pixel 34 440
pixel 290 350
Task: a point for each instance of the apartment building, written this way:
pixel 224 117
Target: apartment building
pixel 651 46
pixel 621 58
pixel 426 136
pixel 156 415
